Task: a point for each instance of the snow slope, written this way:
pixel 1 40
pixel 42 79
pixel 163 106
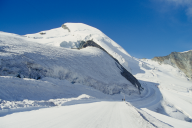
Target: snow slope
pixel 172 86
pixel 81 32
pixel 63 93
pixel 89 66
pixel 64 97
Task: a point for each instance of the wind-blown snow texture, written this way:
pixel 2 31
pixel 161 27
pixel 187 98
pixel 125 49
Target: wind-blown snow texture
pixel 64 73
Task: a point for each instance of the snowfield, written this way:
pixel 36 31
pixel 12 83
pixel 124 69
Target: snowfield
pixel 45 81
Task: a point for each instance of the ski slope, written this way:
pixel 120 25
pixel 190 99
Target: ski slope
pixel 92 115
pixel 171 88
pixel 82 106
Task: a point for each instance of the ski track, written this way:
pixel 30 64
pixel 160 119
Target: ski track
pixel 92 115
pixel 151 98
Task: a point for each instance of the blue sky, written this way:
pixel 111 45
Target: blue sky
pixel 144 28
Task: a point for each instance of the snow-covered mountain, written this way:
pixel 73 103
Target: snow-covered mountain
pixel 70 35
pixel 83 75
pixel 89 66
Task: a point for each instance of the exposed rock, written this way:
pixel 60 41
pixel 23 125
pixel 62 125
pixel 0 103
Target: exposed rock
pixel 124 72
pixel 42 33
pixel 65 27
pixel 181 60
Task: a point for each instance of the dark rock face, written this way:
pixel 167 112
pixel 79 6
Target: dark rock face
pixel 124 72
pixel 181 60
pixel 42 33
pixel 65 27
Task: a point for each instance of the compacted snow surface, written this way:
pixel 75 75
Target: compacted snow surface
pixel 45 83
pixel 99 114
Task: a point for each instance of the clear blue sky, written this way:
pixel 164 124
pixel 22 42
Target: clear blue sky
pixel 144 28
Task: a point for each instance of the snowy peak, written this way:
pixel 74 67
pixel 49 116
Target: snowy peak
pixel 80 27
pixel 70 35
pixel 186 51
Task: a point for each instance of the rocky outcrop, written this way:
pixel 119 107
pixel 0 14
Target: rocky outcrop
pixel 124 72
pixel 65 27
pixel 181 60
